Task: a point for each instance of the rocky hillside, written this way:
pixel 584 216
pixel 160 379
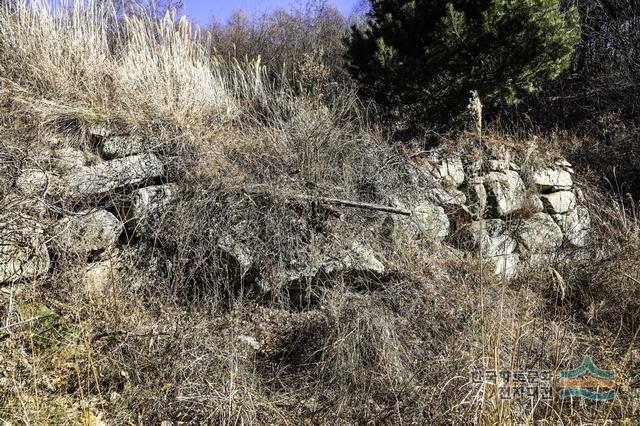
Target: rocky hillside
pixel 105 202
pixel 191 239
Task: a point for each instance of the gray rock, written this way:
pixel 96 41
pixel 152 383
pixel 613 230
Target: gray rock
pixel 238 255
pixel 538 234
pixel 122 146
pixel 105 177
pixel 100 276
pixel 147 202
pixel 477 196
pixel 498 165
pixel 487 237
pixel 576 225
pixel 554 179
pixel 505 192
pixel 23 253
pixel 67 159
pixel 87 232
pixel 451 168
pixel 505 266
pixel 534 204
pixel 427 221
pixel 34 182
pixel 559 202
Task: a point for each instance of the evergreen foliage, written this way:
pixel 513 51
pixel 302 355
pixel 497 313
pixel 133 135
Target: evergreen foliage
pixel 421 58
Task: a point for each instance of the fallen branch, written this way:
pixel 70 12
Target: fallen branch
pixel 262 189
pixel 361 205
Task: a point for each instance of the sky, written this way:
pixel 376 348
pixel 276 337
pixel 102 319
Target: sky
pixel 203 11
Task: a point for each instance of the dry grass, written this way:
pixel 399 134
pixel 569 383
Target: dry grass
pixel 200 346
pixel 78 63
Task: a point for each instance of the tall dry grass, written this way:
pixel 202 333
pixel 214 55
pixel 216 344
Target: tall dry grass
pixel 78 62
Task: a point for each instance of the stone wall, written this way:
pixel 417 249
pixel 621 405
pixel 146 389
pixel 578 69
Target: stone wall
pixel 497 206
pixel 490 203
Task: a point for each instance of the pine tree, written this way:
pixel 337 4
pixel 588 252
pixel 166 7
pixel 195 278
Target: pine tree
pixel 421 58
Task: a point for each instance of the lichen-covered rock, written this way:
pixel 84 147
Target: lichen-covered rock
pixel 427 221
pixel 559 202
pixel 448 168
pixel 87 232
pixel 533 204
pixel 34 182
pixel 505 192
pixel 237 255
pixel 552 179
pixel 576 225
pixel 23 253
pixel 105 177
pixel 67 159
pixel 122 146
pixel 148 201
pixel 505 266
pixel 538 234
pixel 487 237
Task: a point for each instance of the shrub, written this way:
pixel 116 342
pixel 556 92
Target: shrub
pixel 286 40
pixel 421 58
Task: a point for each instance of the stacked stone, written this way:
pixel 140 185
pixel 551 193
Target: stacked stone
pixel 497 217
pixel 121 164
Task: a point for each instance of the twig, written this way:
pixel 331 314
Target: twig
pixel 631 278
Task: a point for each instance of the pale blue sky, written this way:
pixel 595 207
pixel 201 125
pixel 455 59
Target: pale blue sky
pixel 203 11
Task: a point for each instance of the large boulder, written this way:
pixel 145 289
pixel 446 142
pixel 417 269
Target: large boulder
pixel 505 192
pixel 488 237
pixel 559 202
pixel 105 177
pixel 538 234
pixel 552 179
pixel 23 253
pixel 87 232
pixel 575 225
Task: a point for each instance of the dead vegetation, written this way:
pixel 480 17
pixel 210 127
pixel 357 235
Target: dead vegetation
pixel 199 340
